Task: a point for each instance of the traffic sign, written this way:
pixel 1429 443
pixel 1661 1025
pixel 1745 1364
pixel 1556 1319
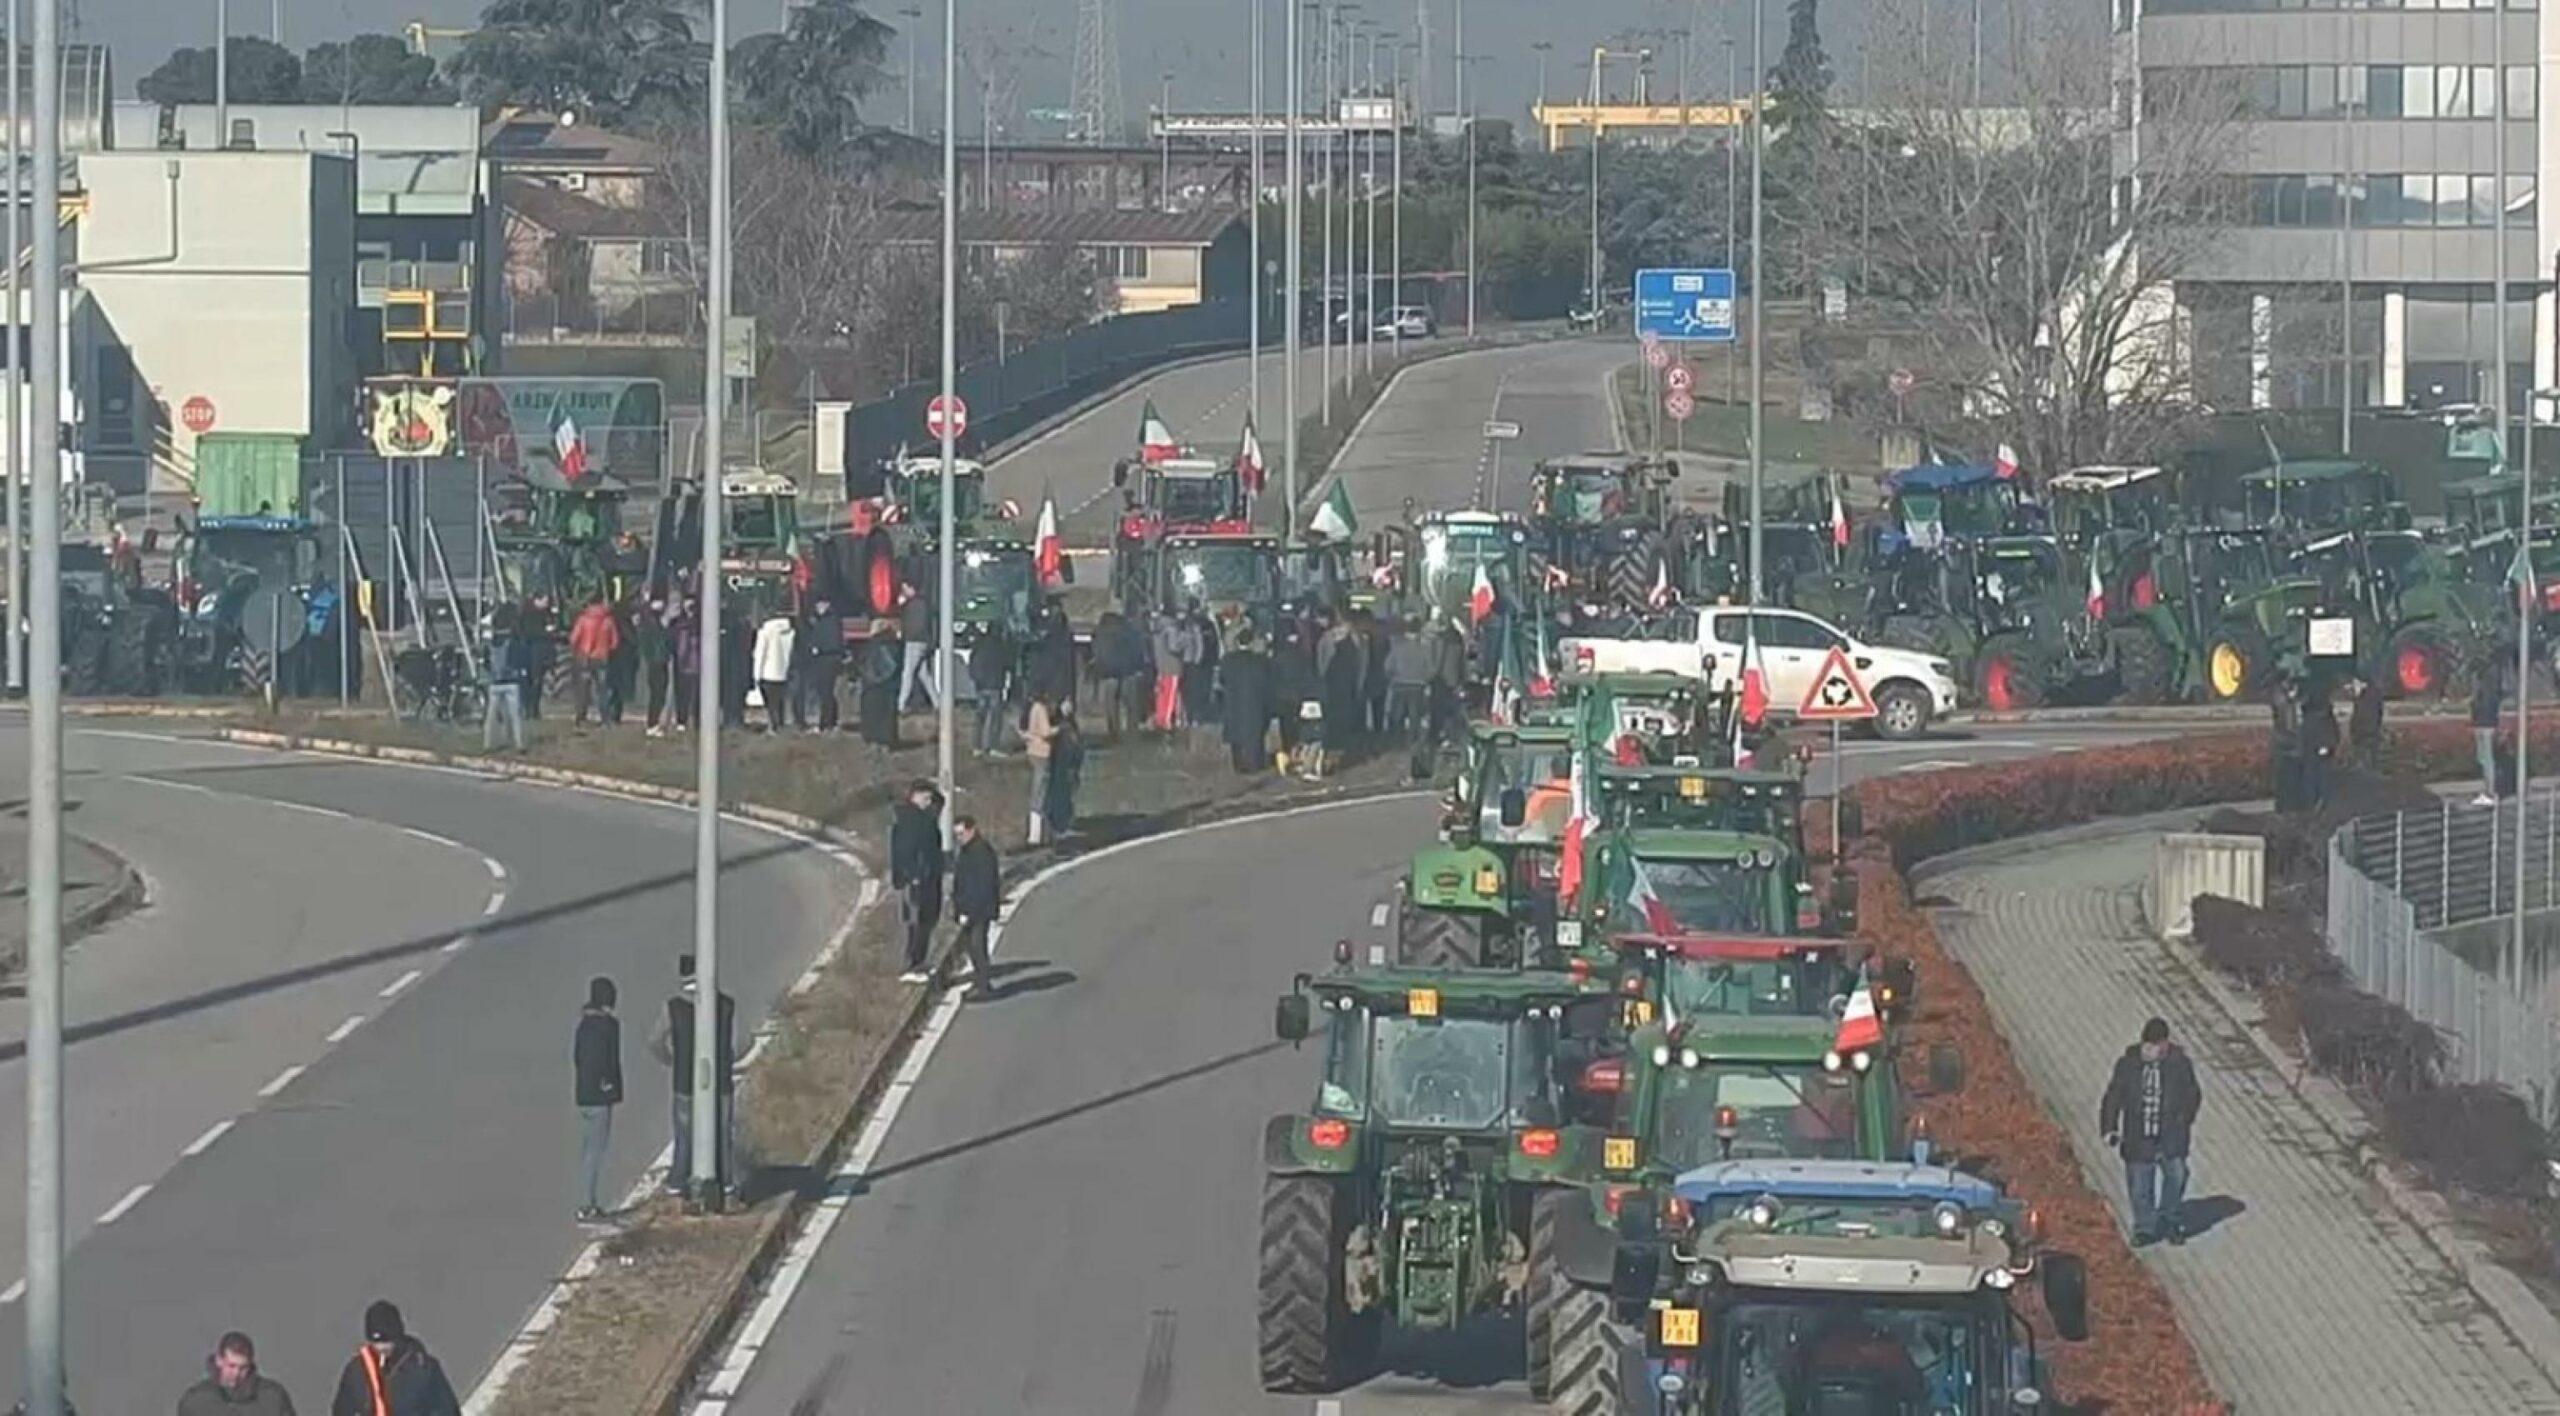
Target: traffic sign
pixel 1655 355
pixel 1901 382
pixel 954 405
pixel 1836 695
pixel 1679 405
pixel 1685 304
pixel 197 414
pixel 1679 378
pixel 1501 432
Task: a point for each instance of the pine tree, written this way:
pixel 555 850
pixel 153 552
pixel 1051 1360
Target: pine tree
pixel 1800 87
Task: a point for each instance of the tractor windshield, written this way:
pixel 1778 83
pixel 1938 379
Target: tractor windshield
pixel 1193 498
pixel 1447 1073
pixel 1583 494
pixel 763 521
pixel 996 585
pixel 1694 897
pixel 924 498
pixel 1799 987
pixel 1222 573
pixel 1451 556
pixel 269 557
pixel 1815 1353
pixel 1542 773
pixel 1779 1111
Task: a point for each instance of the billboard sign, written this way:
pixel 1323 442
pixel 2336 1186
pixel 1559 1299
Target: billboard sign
pixel 1685 304
pixel 615 426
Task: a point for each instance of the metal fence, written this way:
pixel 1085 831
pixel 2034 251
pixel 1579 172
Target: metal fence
pixel 2406 893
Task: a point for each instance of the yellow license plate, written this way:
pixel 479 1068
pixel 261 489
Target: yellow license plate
pixel 1639 1013
pixel 1422 1002
pixel 1680 1327
pixel 1693 787
pixel 1619 1153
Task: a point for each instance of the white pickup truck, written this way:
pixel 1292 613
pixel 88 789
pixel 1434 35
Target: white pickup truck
pixel 1911 689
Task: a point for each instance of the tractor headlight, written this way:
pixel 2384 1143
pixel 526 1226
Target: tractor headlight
pixel 1862 1059
pixel 1689 1058
pixel 1661 1056
pixel 2001 1279
pixel 1762 1213
pixel 1831 1061
pixel 1948 1217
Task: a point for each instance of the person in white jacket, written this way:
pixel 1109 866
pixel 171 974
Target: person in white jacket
pixel 775 641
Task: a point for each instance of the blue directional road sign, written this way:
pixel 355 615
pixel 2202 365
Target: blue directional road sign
pixel 1685 304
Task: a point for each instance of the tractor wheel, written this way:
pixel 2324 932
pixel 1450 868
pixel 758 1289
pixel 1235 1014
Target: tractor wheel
pixel 2422 663
pixel 1632 570
pixel 1437 939
pixel 1543 1285
pixel 2236 663
pixel 1589 1348
pixel 880 572
pixel 2009 674
pixel 1309 1342
pixel 84 660
pixel 2143 670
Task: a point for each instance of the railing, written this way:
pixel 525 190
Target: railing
pixel 2415 899
pixel 666 317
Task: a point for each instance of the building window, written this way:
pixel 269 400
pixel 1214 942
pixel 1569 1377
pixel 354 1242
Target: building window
pixel 1124 262
pixel 2276 93
pixel 663 258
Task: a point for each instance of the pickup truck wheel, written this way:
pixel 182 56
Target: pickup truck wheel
pixel 1902 711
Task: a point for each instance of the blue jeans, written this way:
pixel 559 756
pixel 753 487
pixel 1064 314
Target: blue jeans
pixel 595 1133
pixel 2484 748
pixel 2158 1188
pixel 506 705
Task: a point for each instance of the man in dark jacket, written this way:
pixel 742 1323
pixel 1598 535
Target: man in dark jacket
pixel 596 1056
pixel 232 1385
pixel 2486 699
pixel 917 633
pixel 991 664
pixel 672 1045
pixel 510 675
pixel 1121 664
pixel 392 1374
pixel 2149 1115
pixel 820 645
pixel 1244 680
pixel 976 891
pixel 915 869
pixel 2284 744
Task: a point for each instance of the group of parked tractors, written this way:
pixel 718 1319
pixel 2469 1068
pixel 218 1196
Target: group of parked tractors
pixel 1620 1075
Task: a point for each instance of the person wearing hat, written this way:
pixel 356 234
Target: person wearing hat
pixel 232 1385
pixel 596 1056
pixel 392 1373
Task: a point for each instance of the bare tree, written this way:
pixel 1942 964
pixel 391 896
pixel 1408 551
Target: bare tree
pixel 2032 248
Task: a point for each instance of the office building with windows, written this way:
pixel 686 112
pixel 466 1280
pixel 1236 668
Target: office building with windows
pixel 2364 161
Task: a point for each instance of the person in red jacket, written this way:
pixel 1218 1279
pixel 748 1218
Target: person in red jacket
pixel 593 640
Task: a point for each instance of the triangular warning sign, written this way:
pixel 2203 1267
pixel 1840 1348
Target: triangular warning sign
pixel 1836 695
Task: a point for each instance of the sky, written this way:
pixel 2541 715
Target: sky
pixel 1202 43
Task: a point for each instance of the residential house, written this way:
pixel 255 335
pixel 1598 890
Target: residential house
pixel 1152 260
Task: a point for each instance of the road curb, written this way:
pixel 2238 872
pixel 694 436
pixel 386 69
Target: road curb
pixel 2523 1317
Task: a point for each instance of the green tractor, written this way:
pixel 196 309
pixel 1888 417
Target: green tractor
pixel 1433 562
pixel 2303 500
pixel 1599 524
pixel 1658 880
pixel 1484 896
pixel 2484 517
pixel 1424 1184
pixel 1813 1284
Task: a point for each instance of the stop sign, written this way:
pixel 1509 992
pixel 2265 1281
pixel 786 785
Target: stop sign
pixel 950 407
pixel 197 414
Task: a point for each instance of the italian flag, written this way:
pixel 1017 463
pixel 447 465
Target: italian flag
pixel 1249 466
pixel 1577 827
pixel 2004 463
pixel 1335 518
pixel 1155 438
pixel 1658 918
pixel 1661 593
pixel 570 445
pixel 1839 519
pixel 1480 599
pixel 2097 592
pixel 1860 1028
pixel 1049 552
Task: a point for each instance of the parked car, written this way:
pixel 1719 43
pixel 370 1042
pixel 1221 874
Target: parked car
pixel 1408 322
pixel 1911 690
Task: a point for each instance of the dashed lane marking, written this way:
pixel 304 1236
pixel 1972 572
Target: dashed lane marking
pixel 392 989
pixel 212 1133
pixel 122 1207
pixel 344 1030
pixel 497 902
pixel 496 871
pixel 457 944
pixel 1378 915
pixel 13 1292
pixel 282 1080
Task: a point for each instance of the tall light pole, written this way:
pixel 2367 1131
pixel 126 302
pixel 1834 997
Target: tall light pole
pixel 1458 41
pixel 1253 217
pixel 944 655
pixel 1542 49
pixel 708 1136
pixel 221 73
pixel 1164 122
pixel 1369 218
pixel 1732 181
pixel 1467 131
pixel 1594 100
pixel 1395 206
pixel 1325 337
pixel 17 451
pixel 1293 243
pixel 44 746
pixel 1759 155
pixel 915 21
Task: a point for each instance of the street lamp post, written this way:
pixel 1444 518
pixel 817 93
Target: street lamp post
pixel 944 650
pixel 16 454
pixel 1395 206
pixel 221 75
pixel 44 746
pixel 708 1151
pixel 915 21
pixel 1332 18
pixel 1759 155
pixel 1732 177
pixel 1293 244
pixel 1467 131
pixel 1164 122
pixel 1253 214
pixel 1369 219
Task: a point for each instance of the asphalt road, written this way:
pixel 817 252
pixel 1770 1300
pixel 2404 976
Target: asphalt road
pixel 328 1061
pixel 1062 1218
pixel 1426 440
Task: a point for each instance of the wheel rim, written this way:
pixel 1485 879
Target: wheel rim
pixel 1999 685
pixel 2416 668
pixel 1901 714
pixel 2230 670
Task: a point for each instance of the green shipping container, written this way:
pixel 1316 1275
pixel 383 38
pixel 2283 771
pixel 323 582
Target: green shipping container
pixel 248 474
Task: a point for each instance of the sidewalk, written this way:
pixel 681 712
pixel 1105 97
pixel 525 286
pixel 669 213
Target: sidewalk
pixel 95 883
pixel 2305 1292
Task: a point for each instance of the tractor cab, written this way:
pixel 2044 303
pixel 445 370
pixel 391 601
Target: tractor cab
pixel 1234 577
pixel 1833 1285
pixel 1660 719
pixel 1192 493
pixel 1592 489
pixel 1657 880
pixel 1449 549
pixel 1515 787
pixel 760 514
pixel 1315 575
pixel 2308 498
pixel 995 581
pixel 1739 975
pixel 2091 504
pixel 915 492
pixel 1933 503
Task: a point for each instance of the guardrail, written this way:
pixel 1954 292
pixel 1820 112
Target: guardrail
pixel 2405 889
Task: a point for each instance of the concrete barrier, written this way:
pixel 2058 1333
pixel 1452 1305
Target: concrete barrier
pixel 2187 864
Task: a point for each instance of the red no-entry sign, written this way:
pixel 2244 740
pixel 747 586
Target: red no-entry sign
pixel 954 408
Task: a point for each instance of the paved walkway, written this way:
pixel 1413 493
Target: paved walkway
pixel 2306 1294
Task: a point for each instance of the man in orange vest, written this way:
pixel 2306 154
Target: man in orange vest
pixel 392 1374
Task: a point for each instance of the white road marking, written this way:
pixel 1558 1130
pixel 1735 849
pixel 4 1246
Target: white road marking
pixel 497 902
pixel 434 839
pixel 344 1030
pixel 1378 915
pixel 496 871
pixel 282 1080
pixel 457 944
pixel 14 1291
pixel 122 1207
pixel 212 1133
pixel 1329 1406
pixel 197 787
pixel 308 809
pixel 392 989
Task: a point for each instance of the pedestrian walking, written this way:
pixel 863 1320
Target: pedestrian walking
pixel 2364 726
pixel 537 626
pixel 991 671
pixel 622 666
pixel 876 701
pixel 1410 653
pixel 672 1045
pixel 2285 743
pixel 1244 684
pixel 2149 1116
pixel 915 871
pixel 233 1386
pixel 392 1373
pixel 593 638
pixel 1448 682
pixel 821 645
pixel 2487 699
pixel 1166 644
pixel 1294 691
pixel 1040 728
pixel 1342 665
pixel 510 669
pixel 1121 668
pixel 1199 667
pixel 976 892
pixel 915 636
pixel 685 646
pixel 776 643
pixel 595 1056
pixel 1066 770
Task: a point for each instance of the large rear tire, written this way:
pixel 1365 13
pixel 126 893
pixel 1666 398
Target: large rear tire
pixel 1543 1285
pixel 2237 662
pixel 2143 671
pixel 1437 939
pixel 1309 1341
pixel 2421 662
pixel 1633 568
pixel 2009 674
pixel 1590 1348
